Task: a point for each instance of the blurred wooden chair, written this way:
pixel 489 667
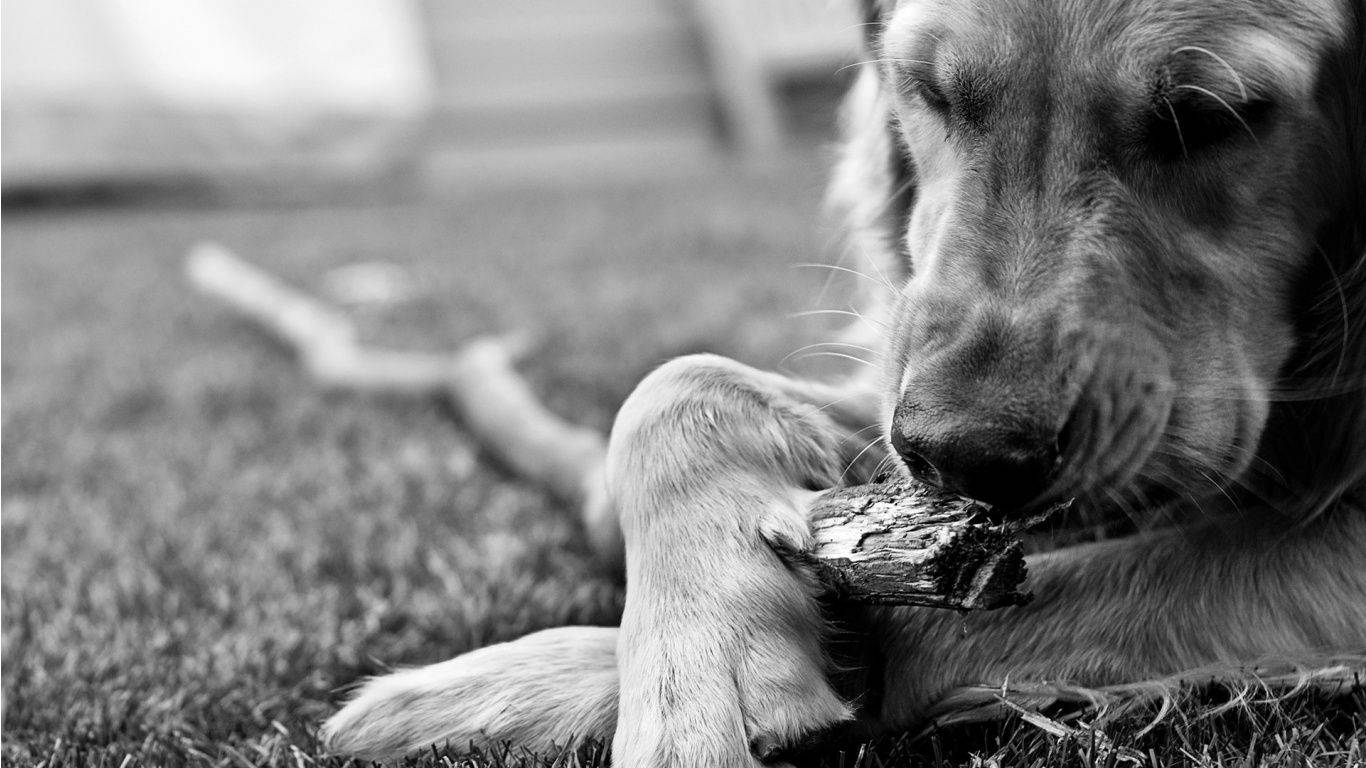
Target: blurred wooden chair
pixel 754 46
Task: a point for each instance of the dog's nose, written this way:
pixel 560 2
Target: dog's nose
pixel 1005 467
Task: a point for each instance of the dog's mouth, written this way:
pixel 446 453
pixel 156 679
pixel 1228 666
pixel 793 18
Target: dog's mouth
pixel 1117 419
pixel 1093 443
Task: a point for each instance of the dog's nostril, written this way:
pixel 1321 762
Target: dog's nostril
pixel 997 468
pixel 1008 480
pixel 919 466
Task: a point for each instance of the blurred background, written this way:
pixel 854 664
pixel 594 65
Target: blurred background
pixel 126 92
pixel 202 548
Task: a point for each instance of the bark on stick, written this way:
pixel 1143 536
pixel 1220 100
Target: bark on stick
pixel 903 543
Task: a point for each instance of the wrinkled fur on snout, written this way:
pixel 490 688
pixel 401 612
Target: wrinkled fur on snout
pixel 1184 310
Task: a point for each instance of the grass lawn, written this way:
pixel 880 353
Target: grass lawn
pixel 200 550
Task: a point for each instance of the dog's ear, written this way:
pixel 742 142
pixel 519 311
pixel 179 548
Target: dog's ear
pixel 1318 452
pixel 874 182
pixel 1336 315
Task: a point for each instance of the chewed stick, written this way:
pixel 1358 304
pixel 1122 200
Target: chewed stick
pixel 905 543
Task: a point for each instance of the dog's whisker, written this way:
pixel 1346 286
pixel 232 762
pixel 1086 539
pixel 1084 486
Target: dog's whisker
pixel 1263 465
pixel 1180 489
pixel 1217 477
pixel 1124 506
pixel 1147 477
pixel 852 462
pixel 878 270
pixel 846 344
pixel 1216 484
pixel 838 268
pixel 860 431
pixel 814 312
pixel 1233 73
pixel 800 352
pixel 884 60
pixel 896 193
pixel 1225 104
pixel 1180 136
pixel 1341 294
pixel 886 464
pixel 1198 462
pixel 1187 494
pixel 840 355
pixel 874 325
pixel 836 402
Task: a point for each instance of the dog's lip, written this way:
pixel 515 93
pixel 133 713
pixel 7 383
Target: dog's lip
pixel 923 471
pixel 1012 519
pixel 1023 518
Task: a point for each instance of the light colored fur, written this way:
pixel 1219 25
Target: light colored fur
pixel 721 656
pixel 720 644
pixel 550 689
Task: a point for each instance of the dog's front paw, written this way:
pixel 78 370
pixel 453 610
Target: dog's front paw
pixel 722 656
pixel 554 688
pixel 785 698
pixel 784 693
pixel 770 702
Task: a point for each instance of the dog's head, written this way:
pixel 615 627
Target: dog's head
pixel 1132 241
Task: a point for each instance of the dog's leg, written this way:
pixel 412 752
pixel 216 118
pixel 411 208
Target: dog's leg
pixel 550 689
pixel 747 447
pixel 720 654
pixel 1140 608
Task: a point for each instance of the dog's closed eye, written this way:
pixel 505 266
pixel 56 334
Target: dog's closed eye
pixel 1188 119
pixel 931 94
pixel 958 97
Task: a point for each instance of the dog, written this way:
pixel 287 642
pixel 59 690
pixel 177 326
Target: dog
pixel 1130 255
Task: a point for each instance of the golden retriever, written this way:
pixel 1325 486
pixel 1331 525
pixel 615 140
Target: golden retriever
pixel 1133 271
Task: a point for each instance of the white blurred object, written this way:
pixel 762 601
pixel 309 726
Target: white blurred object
pixel 755 44
pixel 565 90
pixel 107 90
pixel 368 283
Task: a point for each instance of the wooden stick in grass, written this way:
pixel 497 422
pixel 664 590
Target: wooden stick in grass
pixel 896 543
pixel 479 378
